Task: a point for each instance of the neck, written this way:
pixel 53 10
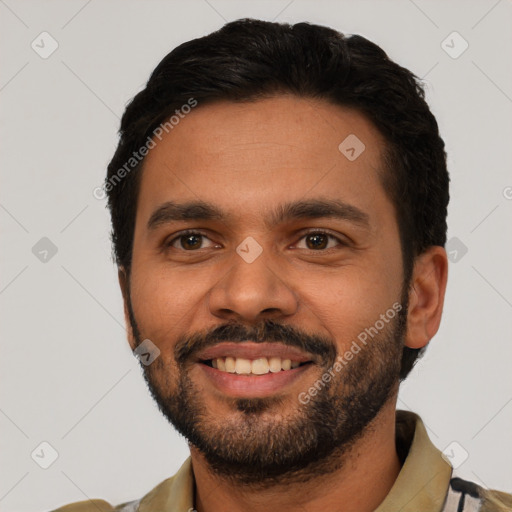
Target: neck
pixel 366 475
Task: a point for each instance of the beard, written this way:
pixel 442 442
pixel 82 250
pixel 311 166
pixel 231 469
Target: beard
pixel 260 444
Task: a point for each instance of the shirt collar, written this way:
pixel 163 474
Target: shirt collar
pixel 422 483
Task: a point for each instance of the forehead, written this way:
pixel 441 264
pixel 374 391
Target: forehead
pixel 247 157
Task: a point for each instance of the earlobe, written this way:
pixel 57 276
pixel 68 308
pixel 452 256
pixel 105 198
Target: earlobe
pixel 124 285
pixel 123 282
pixel 426 296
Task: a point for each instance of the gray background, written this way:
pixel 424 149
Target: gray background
pixel 68 376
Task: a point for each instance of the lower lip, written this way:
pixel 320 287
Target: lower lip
pixel 258 386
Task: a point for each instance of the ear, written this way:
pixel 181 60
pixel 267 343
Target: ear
pixel 426 296
pixel 122 275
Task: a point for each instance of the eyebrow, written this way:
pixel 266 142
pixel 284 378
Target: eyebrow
pixel 302 209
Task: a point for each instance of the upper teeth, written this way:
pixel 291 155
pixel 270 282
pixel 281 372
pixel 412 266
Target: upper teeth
pixel 259 366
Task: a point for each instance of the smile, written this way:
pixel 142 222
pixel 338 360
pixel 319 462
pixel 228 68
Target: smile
pixel 247 369
pixel 259 366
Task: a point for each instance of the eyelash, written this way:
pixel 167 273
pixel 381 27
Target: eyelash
pixel 312 232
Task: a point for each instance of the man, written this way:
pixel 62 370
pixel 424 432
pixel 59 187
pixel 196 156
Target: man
pixel 278 199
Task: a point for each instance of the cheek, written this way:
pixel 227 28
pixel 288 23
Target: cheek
pixel 349 300
pixel 164 303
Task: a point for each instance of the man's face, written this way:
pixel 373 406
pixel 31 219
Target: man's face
pixel 252 284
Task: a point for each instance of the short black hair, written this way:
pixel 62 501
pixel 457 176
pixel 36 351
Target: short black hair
pixel 250 59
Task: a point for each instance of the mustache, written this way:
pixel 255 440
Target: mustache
pixel 187 346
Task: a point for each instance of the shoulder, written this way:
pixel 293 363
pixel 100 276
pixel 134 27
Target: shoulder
pixel 86 506
pixel 496 501
pixel 178 488
pixel 468 497
pixel 99 506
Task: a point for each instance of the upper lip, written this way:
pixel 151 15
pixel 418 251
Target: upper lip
pixel 251 350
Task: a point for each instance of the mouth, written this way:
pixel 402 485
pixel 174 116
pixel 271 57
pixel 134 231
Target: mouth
pixel 250 370
pixel 254 367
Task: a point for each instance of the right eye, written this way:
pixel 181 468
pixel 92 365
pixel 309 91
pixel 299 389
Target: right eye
pixel 189 241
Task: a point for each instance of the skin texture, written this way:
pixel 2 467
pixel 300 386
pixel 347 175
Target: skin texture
pixel 246 158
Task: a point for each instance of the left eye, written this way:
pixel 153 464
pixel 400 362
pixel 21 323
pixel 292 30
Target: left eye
pixel 191 240
pixel 319 240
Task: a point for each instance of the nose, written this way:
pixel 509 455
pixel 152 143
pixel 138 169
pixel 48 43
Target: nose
pixel 251 291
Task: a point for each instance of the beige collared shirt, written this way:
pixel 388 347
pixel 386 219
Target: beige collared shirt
pixel 424 484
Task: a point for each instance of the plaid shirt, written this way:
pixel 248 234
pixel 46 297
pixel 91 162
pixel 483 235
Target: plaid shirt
pixel 426 483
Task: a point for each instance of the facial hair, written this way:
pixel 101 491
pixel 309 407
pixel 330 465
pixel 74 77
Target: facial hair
pixel 259 445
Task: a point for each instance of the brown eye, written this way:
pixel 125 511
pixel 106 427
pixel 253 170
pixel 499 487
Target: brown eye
pixel 319 240
pixel 188 241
